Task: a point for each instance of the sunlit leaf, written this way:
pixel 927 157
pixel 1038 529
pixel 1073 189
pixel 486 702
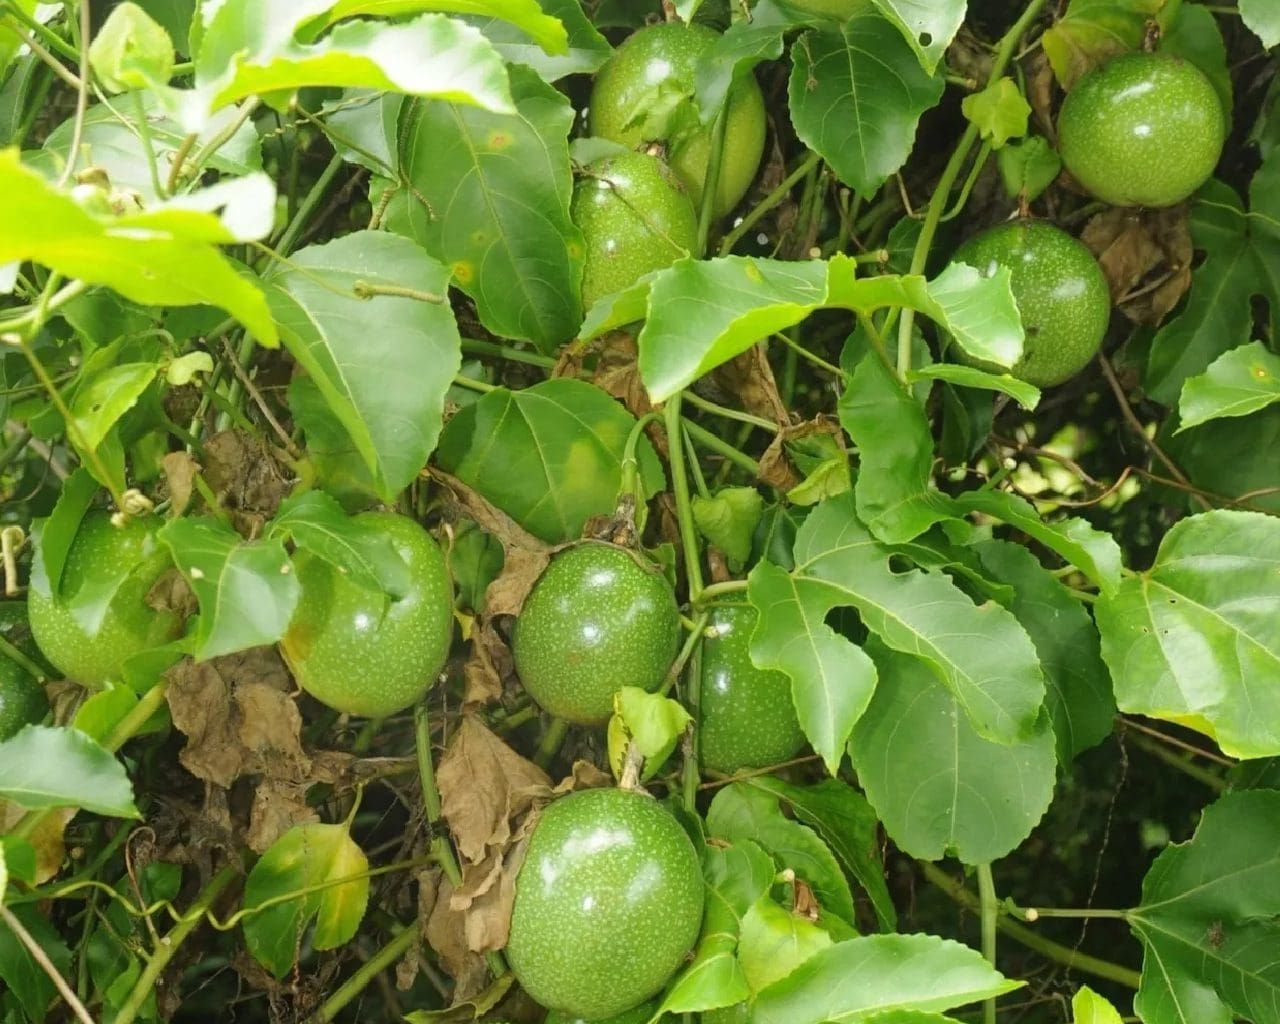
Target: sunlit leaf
pixel 1237 383
pixel 43 767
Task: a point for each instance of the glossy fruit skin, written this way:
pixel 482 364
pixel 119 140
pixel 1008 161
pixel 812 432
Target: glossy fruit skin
pixel 748 718
pixel 1142 130
pixel 1061 294
pixel 360 652
pixel 625 89
pixel 636 1015
pixel 130 625
pixel 635 216
pixel 22 699
pixel 608 902
pixel 595 621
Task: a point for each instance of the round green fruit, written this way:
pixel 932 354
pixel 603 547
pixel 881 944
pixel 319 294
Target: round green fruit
pixel 1061 294
pixel 630 104
pixel 748 717
pixel 635 217
pixel 608 903
pixel 636 1015
pixel 596 621
pixel 100 554
pixel 358 650
pixel 22 699
pixel 1142 130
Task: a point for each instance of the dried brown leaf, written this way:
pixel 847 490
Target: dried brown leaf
pixel 749 378
pixel 775 467
pixel 1145 256
pixel 447 935
pixel 180 471
pixel 277 807
pixel 172 593
pixel 46 839
pixel 488 910
pixel 244 474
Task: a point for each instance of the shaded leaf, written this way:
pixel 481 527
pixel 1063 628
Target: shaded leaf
pixel 734 52
pixel 23 977
pixel 728 519
pixel 102 400
pixel 42 767
pixel 1262 19
pixel 1026 395
pixel 1237 383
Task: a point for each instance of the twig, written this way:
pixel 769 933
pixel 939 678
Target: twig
pixel 242 375
pixel 46 965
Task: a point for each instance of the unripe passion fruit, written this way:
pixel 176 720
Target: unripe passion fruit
pixel 360 651
pixel 640 1014
pixel 608 902
pixel 22 699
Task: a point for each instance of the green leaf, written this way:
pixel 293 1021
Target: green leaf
pixel 728 519
pixel 1094 552
pixel 306 856
pixel 249 49
pixel 339 467
pixel 1093 30
pixel 104 398
pixel 940 788
pixel 386 386
pixel 740 812
pixel 1079 699
pixel 246 589
pixel 980 652
pixel 773 942
pixel 1026 395
pixel 42 767
pixel 1028 167
pixel 853 980
pixel 909 1017
pixel 315 522
pixel 1237 383
pixel 928 26
pixel 895 493
pixel 525 15
pixel 52 537
pixel 999 112
pixel 491 200
pixel 567 437
pixel 1087 1007
pixel 19 860
pixel 131 51
pixel 847 823
pixel 23 977
pixel 1242 260
pixel 734 52
pixel 976 310
pixel 1262 18
pixel 106 708
pixel 1208 918
pixel 159 257
pixel 586 50
pixel 1196 638
pixel 652 722
pixel 856 95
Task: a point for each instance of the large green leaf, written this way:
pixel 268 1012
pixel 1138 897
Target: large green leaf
pixel 567 438
pixel 854 980
pixel 1237 383
pixel 250 49
pixel 1079 699
pixel 491 199
pixel 1208 919
pixel 320 857
pixel 856 96
pixel 939 787
pixel 525 15
pixel 1196 638
pixel 980 652
pixel 1263 19
pixel 928 26
pixel 42 767
pixel 773 942
pixel 163 256
pixel 247 589
pixel 586 48
pixel 386 386
pixel 740 812
pixel 1242 260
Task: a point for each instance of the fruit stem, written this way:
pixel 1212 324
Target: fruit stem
pixel 686 652
pixel 367 971
pixel 715 590
pixel 692 776
pixel 552 740
pixel 476 347
pixel 684 508
pixel 768 203
pixel 989 908
pixel 705 438
pixel 11 652
pixel 711 187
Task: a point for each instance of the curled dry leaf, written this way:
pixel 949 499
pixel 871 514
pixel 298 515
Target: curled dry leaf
pixel 245 477
pixel 172 593
pixel 446 934
pixel 749 379
pixel 180 471
pixel 1040 85
pixel 610 363
pixel 776 468
pixel 1146 258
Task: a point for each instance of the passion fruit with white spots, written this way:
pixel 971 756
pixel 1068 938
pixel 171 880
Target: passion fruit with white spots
pixel 598 619
pixel 608 903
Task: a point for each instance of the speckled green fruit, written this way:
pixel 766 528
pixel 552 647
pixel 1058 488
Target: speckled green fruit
pixel 660 61
pixel 359 651
pixel 22 699
pixel 636 1015
pixel 748 718
pixel 1142 130
pixel 595 621
pixel 99 553
pixel 608 902
pixel 635 217
pixel 1060 291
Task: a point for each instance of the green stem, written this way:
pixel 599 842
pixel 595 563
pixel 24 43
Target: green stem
pixel 630 462
pixel 552 741
pixel 364 975
pixel 476 347
pixel 308 206
pixel 703 437
pixel 1193 771
pixel 804 353
pixel 137 717
pixel 691 777
pixel 686 652
pixel 148 145
pixel 484 387
pixel 699 481
pixel 1065 955
pixel 730 414
pixel 768 203
pixel 82 93
pixel 223 137
pixel 714 590
pixel 711 186
pixel 989 911
pixel 684 507
pixel 51 37
pixel 15 655
pixel 179 160
pixel 967 187
pixel 170 944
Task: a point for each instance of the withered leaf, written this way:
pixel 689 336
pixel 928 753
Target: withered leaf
pixel 1145 256
pixel 244 474
pixel 775 467
pixel 749 378
pixel 180 471
pixel 446 934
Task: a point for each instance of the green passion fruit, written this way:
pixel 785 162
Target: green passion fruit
pixel 631 103
pixel 748 718
pixel 635 217
pixel 124 561
pixel 1143 129
pixel 1061 294
pixel 596 621
pixel 608 903
pixel 22 699
pixel 360 651
pixel 640 1014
